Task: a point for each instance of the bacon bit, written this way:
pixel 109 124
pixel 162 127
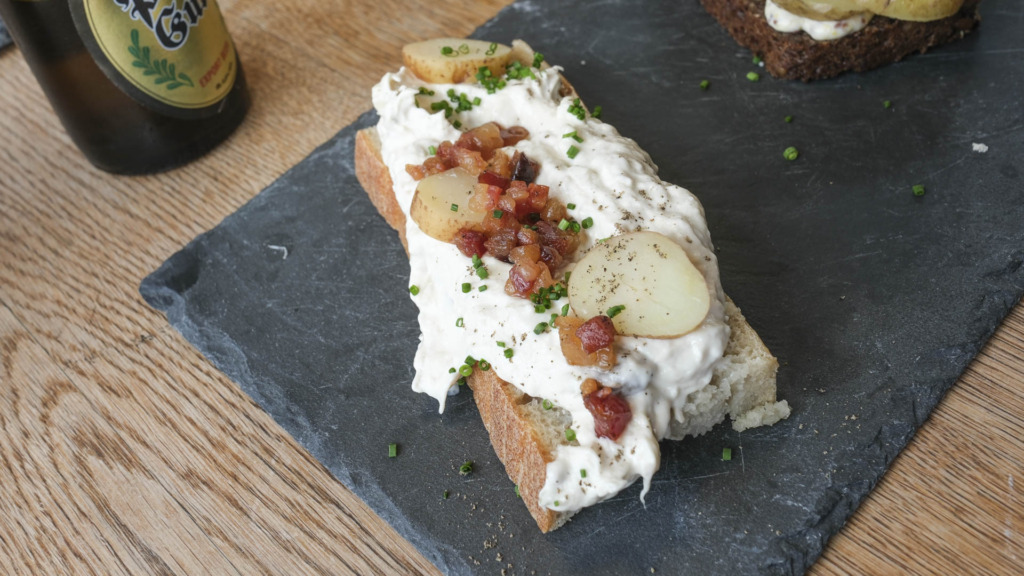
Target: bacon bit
pixel 610 410
pixel 572 346
pixel 492 179
pixel 501 243
pixel 470 242
pixel 529 274
pixel 416 171
pixel 596 333
pixel 484 139
pixel 500 164
pixel 514 135
pixel 524 168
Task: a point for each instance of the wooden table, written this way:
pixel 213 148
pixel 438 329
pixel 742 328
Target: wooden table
pixel 124 450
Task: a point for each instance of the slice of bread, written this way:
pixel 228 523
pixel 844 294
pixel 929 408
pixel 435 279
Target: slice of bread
pixel 526 436
pixel 797 56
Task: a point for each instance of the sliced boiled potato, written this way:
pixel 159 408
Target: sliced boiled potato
pixel 913 10
pixel 662 292
pixel 441 204
pixel 454 60
pixel 815 10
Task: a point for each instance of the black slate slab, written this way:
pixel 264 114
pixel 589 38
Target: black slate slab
pixel 5 36
pixel 874 300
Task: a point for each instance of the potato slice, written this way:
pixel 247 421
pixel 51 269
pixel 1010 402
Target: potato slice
pixel 815 10
pixel 913 10
pixel 441 204
pixel 454 60
pixel 663 293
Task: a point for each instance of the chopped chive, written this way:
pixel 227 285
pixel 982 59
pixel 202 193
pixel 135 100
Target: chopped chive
pixel 466 468
pixel 918 190
pixel 538 59
pixel 462 381
pixel 414 289
pixel 447 50
pixel 788 119
pixel 563 224
pixel 464 48
pixel 615 310
pixel 491 49
pixel 575 226
pixel 704 84
pixel 459 323
pixel 477 262
pixel 432 150
pixel 455 207
pixel 518 495
pixel 547 404
pixel 583 472
pixel 482 288
pixel 392 450
pixel 509 352
pixel 726 454
pixel 556 503
pixel 457 124
pixel 567 275
pixel 465 370
pixel 498 213
pixel 753 76
pixel 451 370
pixel 540 328
pixel 588 222
pixel 476 101
pixel 570 434
pixel 570 206
pixel 597 111
pixel 756 59
pixel 444 495
pixel 887 103
pixel 572 152
pixel 485 365
pixel 466 287
pixel 500 344
pixel 790 153
pixel 470 360
pixel 565 310
pixel 569 134
pixel 482 273
pixel 423 90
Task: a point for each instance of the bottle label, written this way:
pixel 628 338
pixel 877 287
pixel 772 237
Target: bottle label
pixel 172 56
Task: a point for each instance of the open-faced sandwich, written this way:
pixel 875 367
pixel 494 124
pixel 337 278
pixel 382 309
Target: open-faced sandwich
pixel 574 291
pixel 814 39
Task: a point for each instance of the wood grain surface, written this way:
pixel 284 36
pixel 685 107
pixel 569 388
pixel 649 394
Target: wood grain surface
pixel 124 451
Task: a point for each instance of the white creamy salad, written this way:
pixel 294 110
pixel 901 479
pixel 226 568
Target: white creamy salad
pixel 785 21
pixel 610 180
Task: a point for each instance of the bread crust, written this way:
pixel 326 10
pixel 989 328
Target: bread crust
pixel 520 446
pixel 797 56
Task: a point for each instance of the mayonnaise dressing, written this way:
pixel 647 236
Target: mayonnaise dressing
pixel 785 21
pixel 610 180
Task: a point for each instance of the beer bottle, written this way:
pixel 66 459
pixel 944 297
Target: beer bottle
pixel 140 85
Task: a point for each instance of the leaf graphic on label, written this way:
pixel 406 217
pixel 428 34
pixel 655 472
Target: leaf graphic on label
pixel 165 71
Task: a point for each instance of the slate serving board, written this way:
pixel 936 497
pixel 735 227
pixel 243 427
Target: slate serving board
pixel 874 300
pixel 5 36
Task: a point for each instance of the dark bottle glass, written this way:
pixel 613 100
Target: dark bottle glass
pixel 140 85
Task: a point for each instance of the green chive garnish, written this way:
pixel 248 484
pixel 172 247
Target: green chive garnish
pixel 887 103
pixel 485 365
pixel 482 288
pixel 432 150
pixel 501 344
pixel 565 310
pixel 444 495
pixel 414 289
pixel 540 328
pixel 518 495
pixel 572 152
pixel 597 111
pixel 466 468
pixel 570 206
pixel 457 124
pixel 538 58
pixel 588 222
pixel 583 472
pixel 570 434
pixel 788 119
pixel 459 323
pixel 790 153
pixel 498 213
pixel 482 273
pixel 465 370
pixel 726 454
pixel 447 50
pixel 615 310
pixel 756 60
pixel 392 450
pixel 918 190
pixel 466 287
pixel 470 360
pixel 451 370
pixel 547 404
pixel 509 352
pixel 563 224
pixel 455 207
pixel 753 76
pixel 704 84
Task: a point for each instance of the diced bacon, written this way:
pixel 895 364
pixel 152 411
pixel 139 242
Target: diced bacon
pixel 596 333
pixel 610 410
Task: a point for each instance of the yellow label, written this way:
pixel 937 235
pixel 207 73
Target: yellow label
pixel 177 52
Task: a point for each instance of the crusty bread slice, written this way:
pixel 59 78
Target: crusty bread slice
pixel 797 56
pixel 525 436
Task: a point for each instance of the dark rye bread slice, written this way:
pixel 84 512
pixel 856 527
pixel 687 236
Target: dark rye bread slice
pixel 797 56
